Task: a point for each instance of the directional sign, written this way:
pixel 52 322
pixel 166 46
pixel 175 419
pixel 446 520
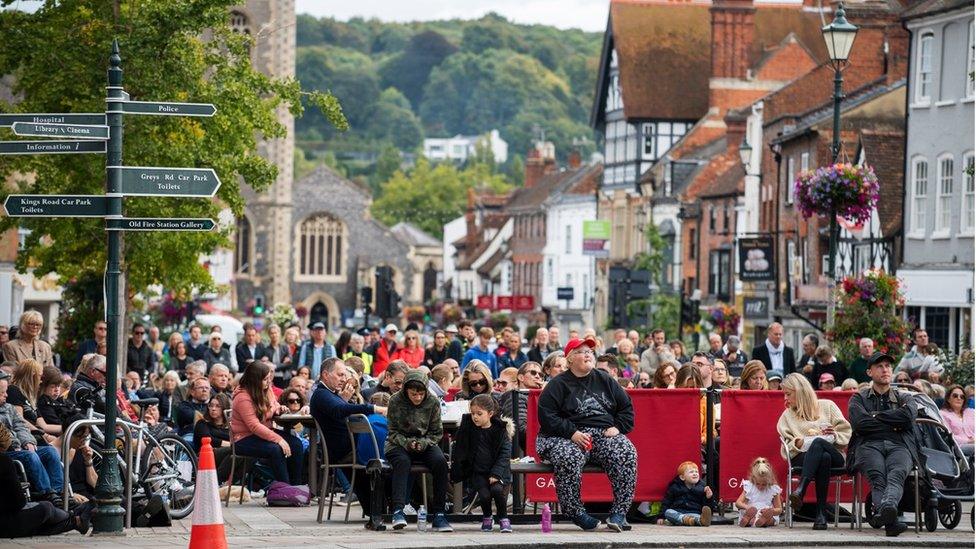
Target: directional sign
pixel 53 205
pixel 51 147
pixel 141 181
pixel 54 118
pixel 168 109
pixel 60 130
pixel 155 224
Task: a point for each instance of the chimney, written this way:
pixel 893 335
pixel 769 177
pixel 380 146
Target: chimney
pixel 469 218
pixel 575 160
pixel 733 32
pixel 540 161
pixel 735 131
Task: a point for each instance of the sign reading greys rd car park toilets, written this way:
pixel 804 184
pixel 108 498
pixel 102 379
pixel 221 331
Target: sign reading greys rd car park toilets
pixel 141 181
pixel 53 205
pixel 76 131
pixel 169 109
pixel 52 147
pixel 159 224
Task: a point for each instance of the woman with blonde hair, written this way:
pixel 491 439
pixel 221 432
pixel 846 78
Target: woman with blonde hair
pixel 29 343
pixel 412 351
pixel 754 376
pixel 476 380
pixel 22 393
pixel 814 433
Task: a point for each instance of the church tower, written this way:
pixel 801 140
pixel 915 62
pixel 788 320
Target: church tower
pixel 262 252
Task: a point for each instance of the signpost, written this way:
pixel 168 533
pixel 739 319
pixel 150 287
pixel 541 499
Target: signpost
pixel 565 293
pixel 101 133
pixel 186 182
pixel 52 147
pixel 76 131
pixel 44 205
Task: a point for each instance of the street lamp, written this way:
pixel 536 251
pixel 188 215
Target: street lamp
pixel 745 155
pixel 839 38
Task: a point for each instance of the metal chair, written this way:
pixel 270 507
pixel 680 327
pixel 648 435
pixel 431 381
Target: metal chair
pixel 328 476
pixel 859 499
pixel 247 464
pixel 838 476
pixel 359 424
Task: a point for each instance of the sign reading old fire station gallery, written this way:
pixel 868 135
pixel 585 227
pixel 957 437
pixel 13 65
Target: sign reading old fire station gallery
pixel 141 181
pixel 160 224
pixel 53 205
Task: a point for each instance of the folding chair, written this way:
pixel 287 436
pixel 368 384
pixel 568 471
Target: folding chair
pixel 838 476
pixel 328 476
pixel 247 464
pixel 359 424
pixel 913 474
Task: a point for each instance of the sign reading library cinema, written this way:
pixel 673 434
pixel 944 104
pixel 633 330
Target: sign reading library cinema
pixel 75 131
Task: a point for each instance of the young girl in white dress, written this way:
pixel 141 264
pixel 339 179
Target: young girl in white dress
pixel 760 503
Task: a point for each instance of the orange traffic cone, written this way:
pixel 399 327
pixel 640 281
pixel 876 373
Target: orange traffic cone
pixel 208 522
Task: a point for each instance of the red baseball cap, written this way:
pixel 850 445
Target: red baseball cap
pixel 827 377
pixel 575 343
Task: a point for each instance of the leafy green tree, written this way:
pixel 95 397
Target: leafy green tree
pixel 348 75
pixel 430 196
pixel 387 164
pixel 516 170
pixel 393 120
pixel 59 65
pixel 408 71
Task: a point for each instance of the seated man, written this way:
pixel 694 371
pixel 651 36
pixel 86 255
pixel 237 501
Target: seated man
pixel 42 464
pixel 196 403
pixel 330 407
pixel 583 416
pixel 883 446
pixel 415 431
pixel 219 380
pixel 529 377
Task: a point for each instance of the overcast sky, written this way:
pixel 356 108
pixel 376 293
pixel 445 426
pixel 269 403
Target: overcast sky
pixel 588 15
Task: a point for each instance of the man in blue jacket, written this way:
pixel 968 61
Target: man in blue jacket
pixel 330 407
pixel 481 352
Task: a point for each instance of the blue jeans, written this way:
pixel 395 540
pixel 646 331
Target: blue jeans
pixel 43 468
pixel 284 469
pixel 676 517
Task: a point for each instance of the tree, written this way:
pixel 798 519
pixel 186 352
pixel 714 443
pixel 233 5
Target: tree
pixel 392 120
pixel 59 66
pixel 409 70
pixel 387 164
pixel 430 196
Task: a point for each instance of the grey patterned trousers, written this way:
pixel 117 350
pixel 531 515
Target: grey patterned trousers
pixel 616 455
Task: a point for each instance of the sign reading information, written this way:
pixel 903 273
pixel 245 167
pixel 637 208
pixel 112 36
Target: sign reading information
pixel 52 147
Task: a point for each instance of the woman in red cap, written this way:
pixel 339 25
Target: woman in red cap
pixel 583 415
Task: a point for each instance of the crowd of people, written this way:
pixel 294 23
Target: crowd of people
pixel 203 388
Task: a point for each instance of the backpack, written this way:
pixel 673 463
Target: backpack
pixel 281 494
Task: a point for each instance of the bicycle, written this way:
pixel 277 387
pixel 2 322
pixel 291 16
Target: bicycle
pixel 164 464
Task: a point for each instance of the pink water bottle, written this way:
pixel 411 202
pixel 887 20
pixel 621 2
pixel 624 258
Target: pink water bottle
pixel 546 519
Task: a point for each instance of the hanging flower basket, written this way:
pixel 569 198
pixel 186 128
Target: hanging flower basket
pixel 843 189
pixel 723 318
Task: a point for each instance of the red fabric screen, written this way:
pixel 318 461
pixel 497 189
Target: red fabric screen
pixel 749 431
pixel 666 432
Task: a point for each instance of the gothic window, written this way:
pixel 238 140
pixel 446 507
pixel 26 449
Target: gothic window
pixel 240 24
pixel 242 247
pixel 321 248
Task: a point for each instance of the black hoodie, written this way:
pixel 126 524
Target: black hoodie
pixel 466 458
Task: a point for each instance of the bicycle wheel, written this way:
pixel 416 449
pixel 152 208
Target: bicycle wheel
pixel 169 469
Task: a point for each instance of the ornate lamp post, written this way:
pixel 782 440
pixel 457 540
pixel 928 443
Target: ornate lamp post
pixel 839 38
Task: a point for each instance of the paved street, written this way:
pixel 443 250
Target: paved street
pixel 254 525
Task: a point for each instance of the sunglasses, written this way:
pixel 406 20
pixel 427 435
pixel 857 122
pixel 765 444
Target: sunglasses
pixel 536 373
pixel 139 332
pixel 957 395
pixel 501 382
pixel 293 401
pixel 478 383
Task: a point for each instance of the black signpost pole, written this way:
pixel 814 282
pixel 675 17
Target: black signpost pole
pixel 108 490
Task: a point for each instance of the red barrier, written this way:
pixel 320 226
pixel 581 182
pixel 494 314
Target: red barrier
pixel 749 431
pixel 666 432
pixel 451 393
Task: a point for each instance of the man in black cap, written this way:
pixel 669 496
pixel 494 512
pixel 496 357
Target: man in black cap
pixel 314 351
pixel 883 446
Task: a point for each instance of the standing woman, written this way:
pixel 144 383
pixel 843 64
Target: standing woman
pixel 411 352
pixel 815 432
pixel 29 343
pixel 280 355
pixel 253 408
pixel 754 376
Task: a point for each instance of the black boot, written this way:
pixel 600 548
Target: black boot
pixel 820 522
pixel 796 497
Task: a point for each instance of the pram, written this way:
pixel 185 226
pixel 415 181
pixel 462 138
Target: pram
pixel 950 474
